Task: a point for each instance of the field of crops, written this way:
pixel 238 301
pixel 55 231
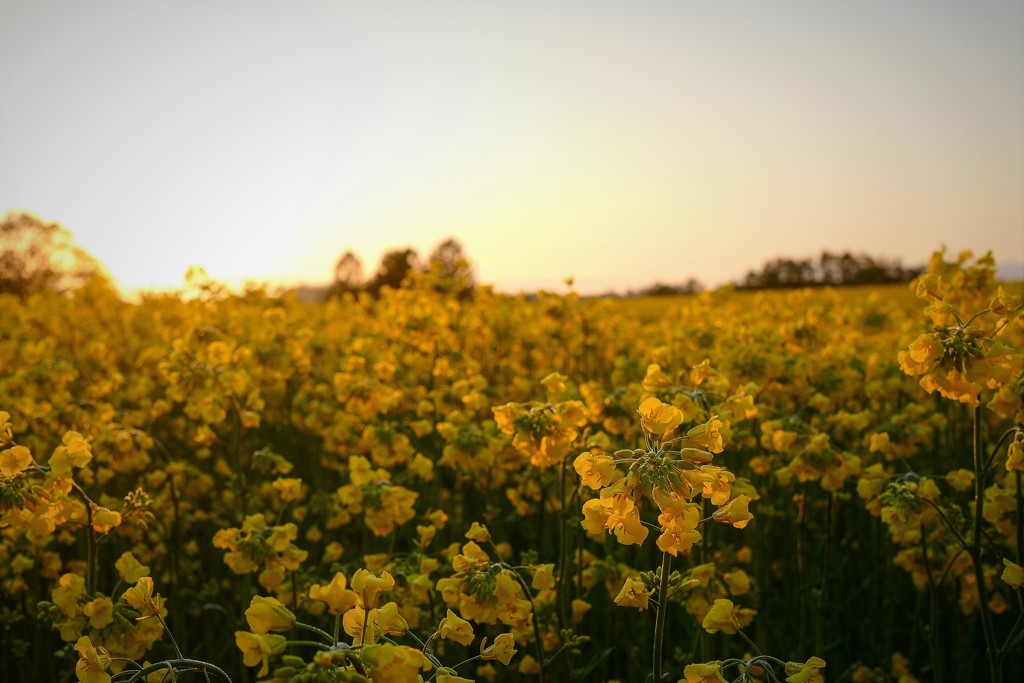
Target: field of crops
pixel 776 486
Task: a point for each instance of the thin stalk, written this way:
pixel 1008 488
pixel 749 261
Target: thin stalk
pixel 310 643
pixel 90 569
pixel 318 631
pixel 753 646
pixel 170 665
pixel 949 525
pixel 539 645
pixel 659 619
pixel 1005 435
pixel 170 635
pixel 933 645
pixel 1020 520
pixel 991 647
pixel 562 514
pixel 819 617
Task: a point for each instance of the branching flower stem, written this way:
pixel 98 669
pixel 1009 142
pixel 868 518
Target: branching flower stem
pixel 659 619
pixel 991 646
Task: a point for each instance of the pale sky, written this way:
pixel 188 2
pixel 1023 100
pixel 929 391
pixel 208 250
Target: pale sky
pixel 615 142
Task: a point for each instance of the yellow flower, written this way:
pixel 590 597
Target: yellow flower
pixel 1015 453
pixel 960 479
pixel 92 662
pixel 922 354
pixel 140 596
pixel 394 663
pixel 555 383
pixel 367 628
pixel 69 591
pixel 370 587
pixel 104 520
pixel 707 436
pixel 6 428
pixel 129 568
pixel 543 576
pixel 1013 574
pixel 735 513
pixel 655 379
pixel 505 416
pixel 100 612
pixel 711 672
pixel 807 672
pixel 738 582
pixel 879 443
pixel 74 451
pixel 720 618
pixel 502 649
pixel 471 557
pixel 259 647
pixel 529 666
pixel 579 608
pixel 282 536
pixel 268 614
pixel 288 489
pixel 679 527
pixel 624 518
pixel 389 621
pixel 454 627
pixel 478 533
pixel 338 598
pixel 14 460
pixel 596 469
pixel 444 677
pixel 659 418
pixel 633 594
pixel 361 626
pixel 595 516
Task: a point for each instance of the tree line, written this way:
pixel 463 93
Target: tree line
pixel 829 269
pixel 37 255
pixel 447 265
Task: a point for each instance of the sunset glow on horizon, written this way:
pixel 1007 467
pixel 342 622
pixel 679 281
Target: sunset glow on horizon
pixel 616 144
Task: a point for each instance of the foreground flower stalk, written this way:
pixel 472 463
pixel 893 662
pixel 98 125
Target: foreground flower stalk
pixel 659 619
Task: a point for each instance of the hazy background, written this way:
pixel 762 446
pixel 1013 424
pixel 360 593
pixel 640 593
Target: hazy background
pixel 620 143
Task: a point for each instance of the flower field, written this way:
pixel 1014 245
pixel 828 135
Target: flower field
pixel 771 486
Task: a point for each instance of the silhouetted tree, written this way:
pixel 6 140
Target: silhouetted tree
pixel 348 275
pixel 395 266
pixel 36 255
pixel 831 269
pixel 450 268
pixel 691 286
pixel 781 272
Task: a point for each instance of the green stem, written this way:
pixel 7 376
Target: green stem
pixel 745 637
pixel 176 665
pixel 659 619
pixel 318 631
pixel 932 636
pixel 949 525
pixel 90 568
pixel 1005 435
pixel 170 635
pixel 1020 520
pixel 311 643
pixel 822 606
pixel 561 612
pixel 991 647
pixel 539 645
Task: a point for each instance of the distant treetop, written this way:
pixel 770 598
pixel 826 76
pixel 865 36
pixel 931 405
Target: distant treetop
pixel 36 256
pixel 830 269
pixel 447 269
